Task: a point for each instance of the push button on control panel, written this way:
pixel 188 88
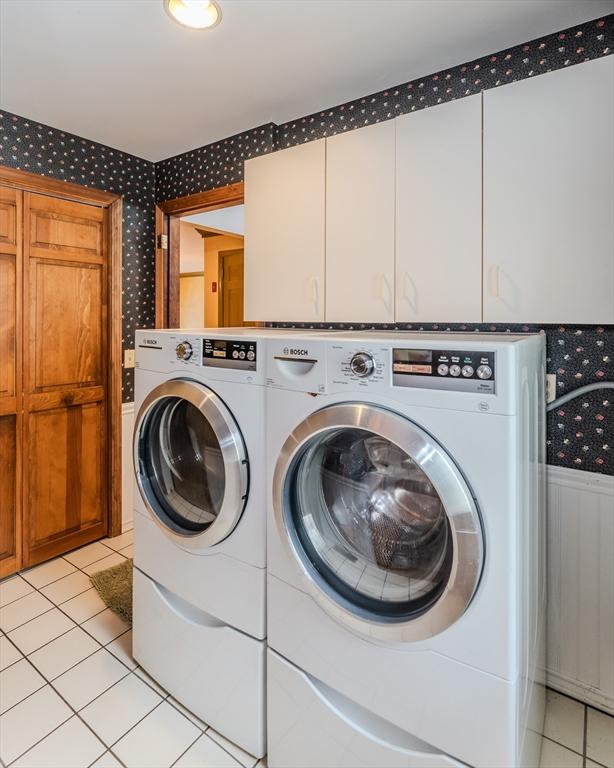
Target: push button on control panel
pixel 452 369
pixel 484 372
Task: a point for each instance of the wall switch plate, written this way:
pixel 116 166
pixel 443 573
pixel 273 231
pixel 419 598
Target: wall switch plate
pixel 550 387
pixel 128 358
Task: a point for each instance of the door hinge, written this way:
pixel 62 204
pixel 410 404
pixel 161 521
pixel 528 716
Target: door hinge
pixel 163 242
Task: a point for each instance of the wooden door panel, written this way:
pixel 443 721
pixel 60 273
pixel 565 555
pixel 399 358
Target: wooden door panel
pixel 8 319
pixel 10 379
pixel 62 229
pixel 66 301
pixel 9 519
pixel 8 220
pixel 232 266
pixel 65 379
pixel 10 304
pixel 65 471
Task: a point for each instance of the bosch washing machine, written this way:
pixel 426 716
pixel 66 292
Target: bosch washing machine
pixel 406 589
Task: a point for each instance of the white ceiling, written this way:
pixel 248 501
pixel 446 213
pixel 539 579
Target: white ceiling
pixel 122 73
pixel 230 220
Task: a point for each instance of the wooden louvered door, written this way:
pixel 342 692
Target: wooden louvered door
pixel 65 343
pixel 10 379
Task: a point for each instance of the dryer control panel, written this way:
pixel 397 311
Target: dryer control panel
pixel 451 369
pixel 230 353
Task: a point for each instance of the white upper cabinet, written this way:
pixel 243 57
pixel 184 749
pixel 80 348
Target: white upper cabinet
pixel 284 234
pixel 549 197
pixel 439 213
pixel 360 171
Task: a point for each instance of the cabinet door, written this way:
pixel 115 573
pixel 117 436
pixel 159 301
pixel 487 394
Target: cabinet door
pixel 360 225
pixel 549 197
pixel 439 213
pixel 10 379
pixel 284 234
pixel 65 383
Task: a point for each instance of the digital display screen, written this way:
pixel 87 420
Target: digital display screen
pixel 414 355
pixel 219 348
pixel 414 361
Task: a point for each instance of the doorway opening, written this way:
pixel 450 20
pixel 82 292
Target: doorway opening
pixel 199 260
pixel 211 268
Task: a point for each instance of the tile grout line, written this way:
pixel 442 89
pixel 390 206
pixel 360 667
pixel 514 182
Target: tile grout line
pixel 584 736
pixel 559 744
pixel 187 749
pixel 77 624
pixel 74 711
pixel 50 682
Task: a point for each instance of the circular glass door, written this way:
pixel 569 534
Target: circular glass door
pixel 380 520
pixel 190 462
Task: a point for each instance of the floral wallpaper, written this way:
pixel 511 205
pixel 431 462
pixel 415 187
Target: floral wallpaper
pixel 580 434
pixel 40 149
pixel 214 165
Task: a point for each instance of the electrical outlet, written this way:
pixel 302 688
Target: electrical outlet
pixel 128 358
pixel 550 387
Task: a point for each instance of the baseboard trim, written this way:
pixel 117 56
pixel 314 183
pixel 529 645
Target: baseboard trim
pixel 577 690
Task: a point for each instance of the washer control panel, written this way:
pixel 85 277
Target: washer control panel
pixel 460 370
pixel 230 353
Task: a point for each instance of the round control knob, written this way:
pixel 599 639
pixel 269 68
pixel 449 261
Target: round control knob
pixel 455 370
pixel 442 369
pixel 362 365
pixel 184 350
pixel 484 372
pixel 467 371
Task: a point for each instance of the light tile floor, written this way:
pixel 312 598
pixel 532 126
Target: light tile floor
pixel 72 696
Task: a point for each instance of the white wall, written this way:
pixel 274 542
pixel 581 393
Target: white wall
pixel 192 301
pixel 191 249
pixel 127 467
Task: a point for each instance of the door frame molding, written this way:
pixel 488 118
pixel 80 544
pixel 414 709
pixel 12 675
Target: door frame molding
pixel 44 185
pixel 168 213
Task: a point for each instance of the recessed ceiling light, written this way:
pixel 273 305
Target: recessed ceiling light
pixel 197 14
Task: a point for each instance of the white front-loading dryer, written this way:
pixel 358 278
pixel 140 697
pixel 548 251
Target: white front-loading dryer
pixel 405 550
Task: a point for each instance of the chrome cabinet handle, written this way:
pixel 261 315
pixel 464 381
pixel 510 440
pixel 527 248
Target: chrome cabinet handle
pixel 384 292
pixel 494 281
pixel 315 294
pixel 411 298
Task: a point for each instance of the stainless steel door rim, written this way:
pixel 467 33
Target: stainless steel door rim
pixel 232 449
pixel 467 540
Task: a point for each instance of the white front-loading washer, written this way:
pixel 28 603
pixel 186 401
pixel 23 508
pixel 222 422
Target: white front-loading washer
pixel 200 523
pixel 405 550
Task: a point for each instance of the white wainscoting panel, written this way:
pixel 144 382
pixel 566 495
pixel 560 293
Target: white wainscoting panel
pixel 127 471
pixel 580 651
